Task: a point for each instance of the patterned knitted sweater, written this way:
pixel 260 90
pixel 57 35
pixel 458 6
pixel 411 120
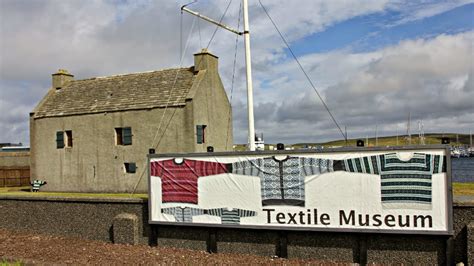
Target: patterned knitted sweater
pixel 402 181
pixel 282 181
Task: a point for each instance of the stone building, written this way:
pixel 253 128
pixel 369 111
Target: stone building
pixel 93 135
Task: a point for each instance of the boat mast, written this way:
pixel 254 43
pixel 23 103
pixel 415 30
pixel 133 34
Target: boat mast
pixel 470 138
pixel 408 128
pixel 248 63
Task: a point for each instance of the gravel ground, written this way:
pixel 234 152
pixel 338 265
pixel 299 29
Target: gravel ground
pixel 34 249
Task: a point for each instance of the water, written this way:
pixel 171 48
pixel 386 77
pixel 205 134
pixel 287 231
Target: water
pixel 462 169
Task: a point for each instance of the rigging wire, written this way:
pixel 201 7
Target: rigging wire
pixel 199 29
pixel 180 65
pixel 233 72
pixel 217 27
pixel 166 107
pixel 181 28
pixel 174 83
pixel 302 69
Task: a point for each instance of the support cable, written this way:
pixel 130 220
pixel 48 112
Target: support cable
pixel 217 27
pixel 174 83
pixel 166 108
pixel 181 29
pixel 233 72
pixel 199 30
pixel 302 69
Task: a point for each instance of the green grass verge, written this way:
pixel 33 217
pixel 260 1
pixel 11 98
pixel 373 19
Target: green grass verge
pixel 24 191
pixel 458 189
pixel 463 189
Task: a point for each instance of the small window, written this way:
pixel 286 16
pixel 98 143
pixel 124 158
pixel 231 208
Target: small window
pixel 68 134
pixel 201 134
pixel 59 139
pixel 118 136
pixel 123 136
pixel 130 168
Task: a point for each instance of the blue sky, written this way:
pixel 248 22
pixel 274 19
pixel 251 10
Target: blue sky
pixel 374 31
pixel 373 61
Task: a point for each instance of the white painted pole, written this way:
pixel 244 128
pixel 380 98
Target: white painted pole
pixel 470 137
pixel 397 135
pixel 376 138
pixel 248 63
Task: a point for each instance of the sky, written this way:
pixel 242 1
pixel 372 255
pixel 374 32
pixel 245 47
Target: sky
pixel 374 62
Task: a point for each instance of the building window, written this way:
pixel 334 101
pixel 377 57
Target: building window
pixel 59 140
pixel 130 168
pixel 63 139
pixel 123 136
pixel 201 134
pixel 68 141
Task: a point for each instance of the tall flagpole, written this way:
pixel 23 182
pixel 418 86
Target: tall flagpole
pixel 248 64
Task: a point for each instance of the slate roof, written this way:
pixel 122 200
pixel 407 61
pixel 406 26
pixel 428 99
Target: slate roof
pixel 116 93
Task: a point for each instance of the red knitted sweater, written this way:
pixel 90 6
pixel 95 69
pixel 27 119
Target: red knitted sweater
pixel 179 181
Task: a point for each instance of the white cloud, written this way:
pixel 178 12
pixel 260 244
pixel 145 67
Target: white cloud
pixel 420 9
pixel 100 38
pixel 432 79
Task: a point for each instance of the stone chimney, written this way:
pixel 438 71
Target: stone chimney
pixel 61 78
pixel 205 60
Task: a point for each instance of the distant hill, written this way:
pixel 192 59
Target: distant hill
pixel 430 138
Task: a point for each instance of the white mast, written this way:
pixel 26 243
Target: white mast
pixel 376 138
pixel 397 134
pixel 470 138
pixel 421 132
pixel 248 64
pixel 408 128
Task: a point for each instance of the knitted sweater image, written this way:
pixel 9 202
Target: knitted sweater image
pixel 183 214
pixel 282 181
pixel 179 180
pixel 402 181
pixel 230 216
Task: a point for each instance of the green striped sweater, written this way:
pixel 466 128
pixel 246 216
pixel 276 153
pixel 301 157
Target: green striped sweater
pixel 231 216
pixel 402 181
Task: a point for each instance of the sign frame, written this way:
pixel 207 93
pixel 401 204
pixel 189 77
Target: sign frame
pixel 448 195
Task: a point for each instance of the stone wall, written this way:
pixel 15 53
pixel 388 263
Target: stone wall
pixel 126 221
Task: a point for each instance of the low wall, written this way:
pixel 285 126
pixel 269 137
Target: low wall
pixel 100 219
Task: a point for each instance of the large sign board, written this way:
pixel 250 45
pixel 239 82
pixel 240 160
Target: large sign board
pixel 391 190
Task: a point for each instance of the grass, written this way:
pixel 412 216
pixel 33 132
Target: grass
pixel 25 191
pixel 458 189
pixel 4 262
pixel 465 189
